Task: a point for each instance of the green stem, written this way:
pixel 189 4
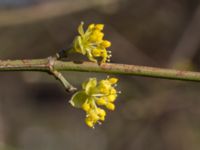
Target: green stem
pixel 44 65
pixel 64 82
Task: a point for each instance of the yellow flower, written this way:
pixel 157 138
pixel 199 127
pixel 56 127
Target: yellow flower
pixel 112 97
pixel 86 106
pixel 96 52
pixel 110 106
pixel 106 43
pixel 101 101
pixel 113 80
pixel 94 94
pixel 99 26
pixel 89 122
pixel 91 43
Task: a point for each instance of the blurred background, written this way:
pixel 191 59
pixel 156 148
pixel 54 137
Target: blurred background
pixel 151 114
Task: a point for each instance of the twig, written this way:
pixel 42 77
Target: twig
pixel 43 65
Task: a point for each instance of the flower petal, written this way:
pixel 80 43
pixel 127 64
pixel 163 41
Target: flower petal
pixel 80 29
pixel 78 99
pixel 90 85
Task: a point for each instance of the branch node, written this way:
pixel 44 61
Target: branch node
pixel 58 75
pixel 51 62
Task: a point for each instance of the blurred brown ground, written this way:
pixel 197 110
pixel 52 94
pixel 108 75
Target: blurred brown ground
pixel 151 114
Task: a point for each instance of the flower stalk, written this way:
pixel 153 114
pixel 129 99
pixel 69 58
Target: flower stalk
pixel 62 79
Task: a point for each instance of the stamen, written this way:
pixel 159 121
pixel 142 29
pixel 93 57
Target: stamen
pixel 99 122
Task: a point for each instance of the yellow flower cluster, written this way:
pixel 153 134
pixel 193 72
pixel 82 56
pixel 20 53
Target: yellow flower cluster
pixel 101 93
pixel 91 43
pixel 95 94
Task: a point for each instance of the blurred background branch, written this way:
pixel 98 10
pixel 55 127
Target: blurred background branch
pixel 48 10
